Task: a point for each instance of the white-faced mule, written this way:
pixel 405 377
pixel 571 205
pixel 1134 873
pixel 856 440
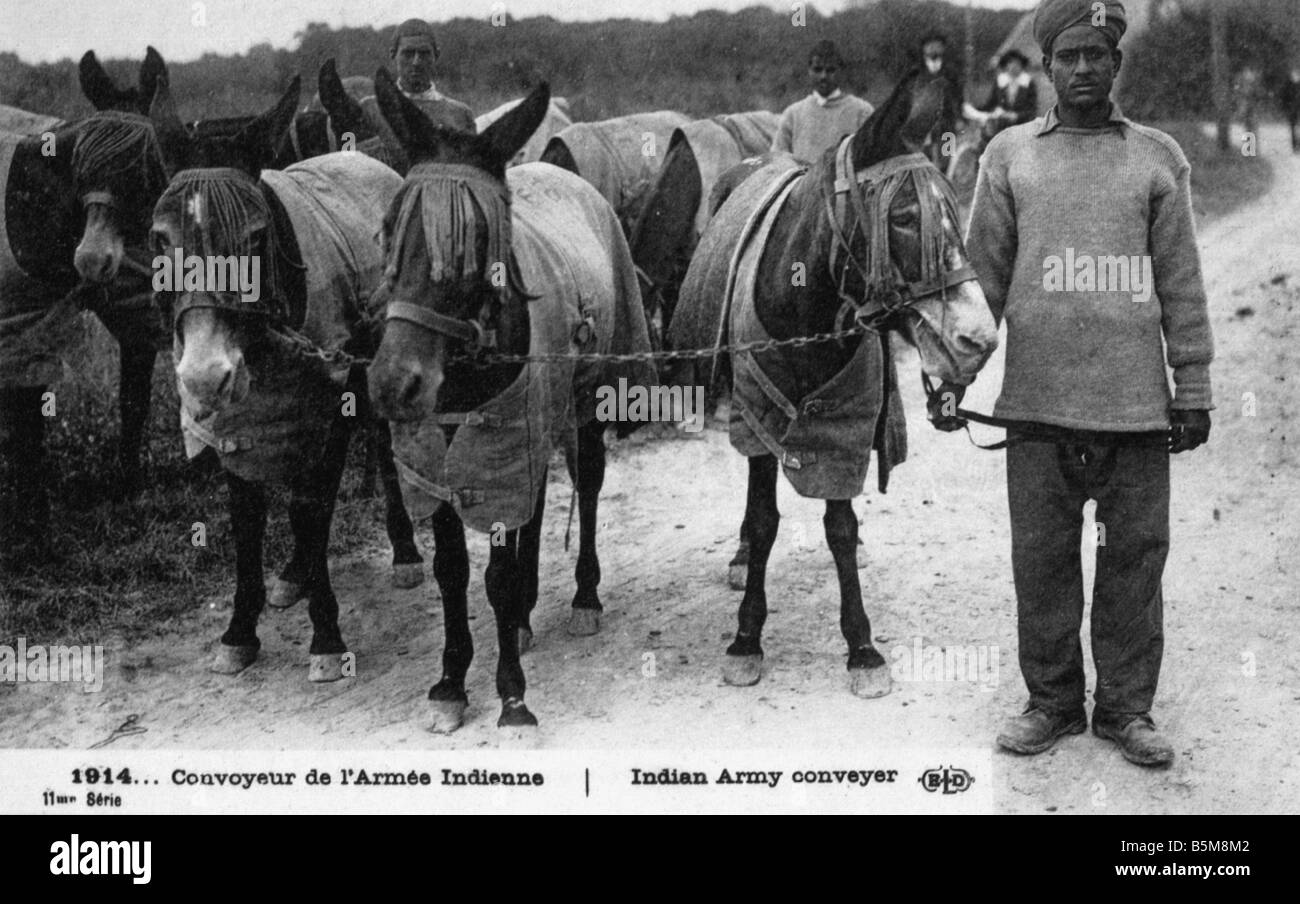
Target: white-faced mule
pixel 271 275
pixel 868 236
pixel 483 268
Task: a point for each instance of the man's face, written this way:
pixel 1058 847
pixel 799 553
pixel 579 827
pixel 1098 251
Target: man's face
pixel 933 51
pixel 1082 67
pixel 414 58
pixel 825 76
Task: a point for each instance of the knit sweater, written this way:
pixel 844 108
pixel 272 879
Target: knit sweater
pixel 808 128
pixel 1058 213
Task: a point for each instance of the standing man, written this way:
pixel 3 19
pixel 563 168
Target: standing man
pixel 1087 345
pixel 822 118
pixel 414 51
pixel 938 65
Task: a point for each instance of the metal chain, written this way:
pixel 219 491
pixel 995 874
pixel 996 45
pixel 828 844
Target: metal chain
pixel 303 347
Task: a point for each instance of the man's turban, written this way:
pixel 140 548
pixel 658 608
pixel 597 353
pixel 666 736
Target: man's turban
pixel 1055 16
pixel 415 28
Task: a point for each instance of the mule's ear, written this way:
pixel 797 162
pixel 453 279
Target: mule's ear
pixel 341 106
pixel 411 127
pixel 927 108
pixel 263 136
pixel 151 70
pixel 99 89
pixel 880 136
pixel 504 138
pixel 172 136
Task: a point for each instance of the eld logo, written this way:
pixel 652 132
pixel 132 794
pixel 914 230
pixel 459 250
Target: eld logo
pixel 102 858
pixel 948 779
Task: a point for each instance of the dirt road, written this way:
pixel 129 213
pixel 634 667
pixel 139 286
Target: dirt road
pixel 938 576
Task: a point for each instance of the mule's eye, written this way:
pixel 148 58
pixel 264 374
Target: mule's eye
pixel 158 241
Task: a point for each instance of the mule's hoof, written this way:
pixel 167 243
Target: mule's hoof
pixel 232 660
pixel 742 671
pixel 870 683
pixel 514 714
pixel 737 576
pixel 325 667
pixel 285 594
pixel 525 640
pixel 448 715
pixel 584 622
pixel 406 577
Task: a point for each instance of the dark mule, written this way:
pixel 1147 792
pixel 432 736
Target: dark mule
pixel 53 186
pixel 872 229
pixel 460 216
pixel 251 383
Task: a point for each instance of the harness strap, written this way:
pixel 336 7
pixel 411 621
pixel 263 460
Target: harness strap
pixel 469 331
pixel 294 140
pixel 468 419
pixel 224 445
pixel 783 455
pixel 463 498
pixel 769 388
pixel 98 197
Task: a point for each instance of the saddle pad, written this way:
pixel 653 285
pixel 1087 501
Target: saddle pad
pixel 621 157
pixel 335 203
pixel 573 257
pixel 720 143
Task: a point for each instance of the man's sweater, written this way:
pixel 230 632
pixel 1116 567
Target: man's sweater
pixel 1056 213
pixel 808 127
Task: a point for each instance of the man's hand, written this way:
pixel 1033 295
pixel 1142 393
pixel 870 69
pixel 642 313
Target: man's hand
pixel 942 407
pixel 1188 429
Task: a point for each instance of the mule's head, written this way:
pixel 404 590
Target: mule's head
pixel 451 279
pixel 215 213
pixel 946 315
pixel 117 168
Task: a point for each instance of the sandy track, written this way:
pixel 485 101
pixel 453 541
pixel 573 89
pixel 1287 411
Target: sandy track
pixel 939 571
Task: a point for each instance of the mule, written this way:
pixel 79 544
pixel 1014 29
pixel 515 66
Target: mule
pixel 872 228
pixel 54 184
pixel 119 214
pixel 252 377
pixel 481 258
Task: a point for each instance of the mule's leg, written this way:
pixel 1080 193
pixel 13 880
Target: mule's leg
pixel 584 620
pixel 451 571
pixel 738 567
pixel 24 475
pixel 320 491
pixel 291 585
pixel 408 564
pixel 504 593
pixel 239 645
pixel 530 544
pixel 868 672
pixel 135 389
pixel 744 662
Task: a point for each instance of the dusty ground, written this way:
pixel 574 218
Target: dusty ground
pixel 939 571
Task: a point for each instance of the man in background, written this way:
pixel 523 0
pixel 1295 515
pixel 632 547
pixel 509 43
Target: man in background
pixel 414 51
pixel 821 119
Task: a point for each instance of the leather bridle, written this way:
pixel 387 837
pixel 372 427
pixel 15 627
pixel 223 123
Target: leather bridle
pixel 887 292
